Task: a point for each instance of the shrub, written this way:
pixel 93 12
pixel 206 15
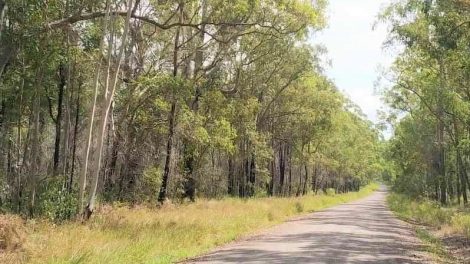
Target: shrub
pixel 430 213
pixel 299 208
pixel 330 192
pixel 151 182
pixel 56 202
pixel 270 216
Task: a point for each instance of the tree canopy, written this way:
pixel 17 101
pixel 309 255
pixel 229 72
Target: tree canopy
pixel 145 101
pixel 430 95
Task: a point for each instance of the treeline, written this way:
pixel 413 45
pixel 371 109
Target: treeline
pixel 140 101
pixel 431 94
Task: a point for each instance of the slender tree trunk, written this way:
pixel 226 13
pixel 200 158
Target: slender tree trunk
pixel 26 164
pixel 58 120
pixel 314 178
pixel 252 174
pixel 75 135
pixel 114 159
pixel 2 110
pixel 271 179
pixel 230 183
pixel 189 148
pixel 106 103
pixel 289 153
pixel 69 93
pixel 463 177
pixel 3 8
pixel 35 147
pixel 84 169
pixel 272 182
pixel 304 189
pixel 298 192
pixel 162 195
pixel 461 169
pixel 5 144
pixel 19 160
pixel 441 170
pixel 67 125
pixel 457 186
pixel 189 183
pixel 169 150
pixel 6 50
pixel 281 168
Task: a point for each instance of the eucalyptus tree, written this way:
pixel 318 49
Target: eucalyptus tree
pixel 430 78
pixel 144 101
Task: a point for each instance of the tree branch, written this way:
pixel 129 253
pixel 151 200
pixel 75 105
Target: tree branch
pixel 90 16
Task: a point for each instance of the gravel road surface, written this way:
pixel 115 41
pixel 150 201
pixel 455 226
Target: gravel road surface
pixel 364 231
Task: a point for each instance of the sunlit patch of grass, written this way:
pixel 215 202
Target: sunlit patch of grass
pixel 461 223
pixel 422 211
pixel 165 235
pixel 449 221
pixel 431 214
pixel 434 246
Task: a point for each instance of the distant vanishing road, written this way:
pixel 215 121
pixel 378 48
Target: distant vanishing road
pixel 364 231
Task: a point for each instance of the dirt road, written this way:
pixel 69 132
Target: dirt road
pixel 364 231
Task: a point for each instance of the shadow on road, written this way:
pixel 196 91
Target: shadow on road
pixel 360 232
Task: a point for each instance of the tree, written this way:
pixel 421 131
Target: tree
pixel 430 86
pixel 159 100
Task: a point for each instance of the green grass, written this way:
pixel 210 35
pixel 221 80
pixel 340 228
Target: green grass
pixel 429 213
pixel 450 221
pixel 434 246
pixel 423 211
pixel 169 234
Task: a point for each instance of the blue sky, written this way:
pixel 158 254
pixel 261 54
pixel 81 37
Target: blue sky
pixel 355 50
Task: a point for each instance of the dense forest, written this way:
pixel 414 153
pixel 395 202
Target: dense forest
pixel 429 154
pixel 149 101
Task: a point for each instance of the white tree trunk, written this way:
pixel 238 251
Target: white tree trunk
pixel 106 105
pixel 84 169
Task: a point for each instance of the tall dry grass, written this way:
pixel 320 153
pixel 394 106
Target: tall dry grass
pixel 121 234
pixel 451 219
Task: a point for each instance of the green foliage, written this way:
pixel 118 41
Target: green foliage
pixel 428 155
pixel 330 191
pixel 222 97
pixel 56 203
pixel 151 182
pixel 429 213
pixel 434 245
pixel 299 208
pixel 461 222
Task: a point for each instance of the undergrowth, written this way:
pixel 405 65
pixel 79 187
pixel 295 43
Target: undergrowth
pixel 429 214
pixel 120 234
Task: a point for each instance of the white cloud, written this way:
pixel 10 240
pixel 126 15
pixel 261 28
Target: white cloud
pixel 355 50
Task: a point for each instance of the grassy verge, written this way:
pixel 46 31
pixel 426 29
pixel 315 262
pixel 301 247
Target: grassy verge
pixel 451 221
pixel 434 245
pixel 146 235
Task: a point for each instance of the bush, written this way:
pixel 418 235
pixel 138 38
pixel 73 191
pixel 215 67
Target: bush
pixel 55 202
pixel 299 208
pixel 150 184
pixel 429 213
pixel 330 192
